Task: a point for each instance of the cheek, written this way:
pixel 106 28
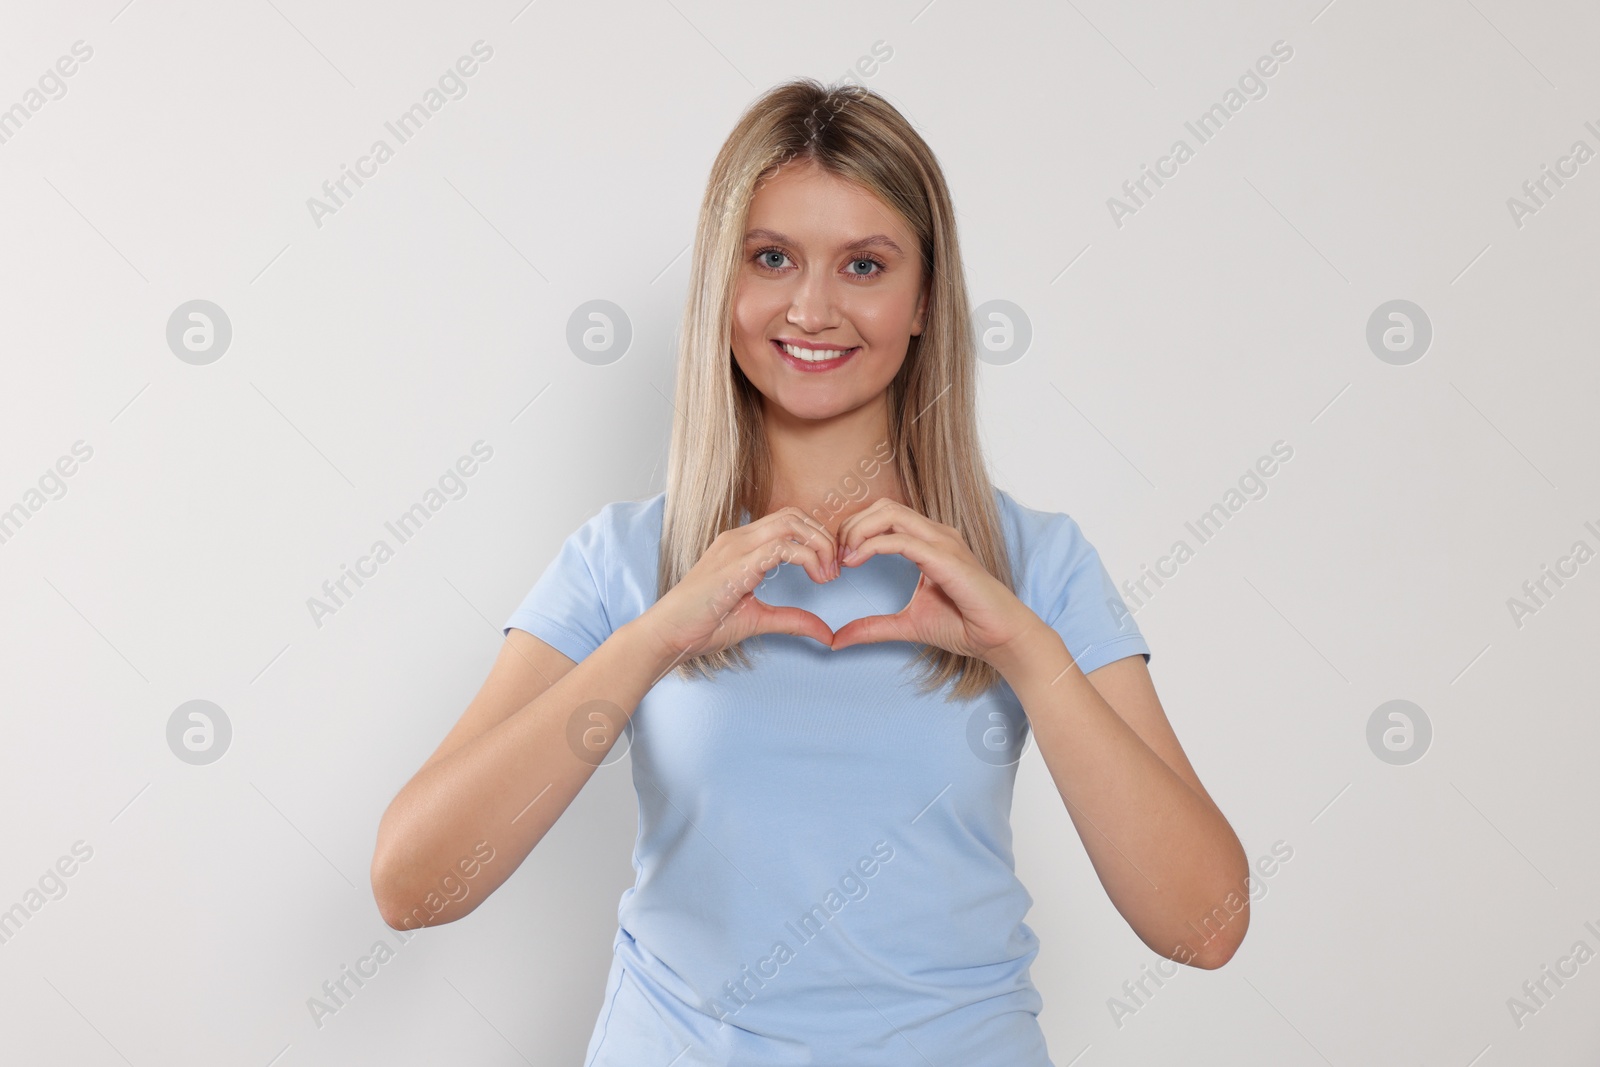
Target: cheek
pixel 753 312
pixel 748 343
pixel 745 316
pixel 887 319
pixel 746 362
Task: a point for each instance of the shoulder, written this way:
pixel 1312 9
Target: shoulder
pixel 626 520
pixel 1031 532
pixel 1051 558
pixel 1058 573
pixel 621 539
pixel 632 516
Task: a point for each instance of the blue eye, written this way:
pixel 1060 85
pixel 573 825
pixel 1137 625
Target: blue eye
pixel 760 258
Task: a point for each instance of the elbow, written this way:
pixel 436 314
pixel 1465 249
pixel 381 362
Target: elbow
pixel 1221 929
pixel 396 919
pixel 388 898
pixel 396 909
pixel 1219 948
pixel 393 894
pixel 1213 955
pixel 405 905
pixel 1225 925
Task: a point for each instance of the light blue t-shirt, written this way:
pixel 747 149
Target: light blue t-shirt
pixel 824 871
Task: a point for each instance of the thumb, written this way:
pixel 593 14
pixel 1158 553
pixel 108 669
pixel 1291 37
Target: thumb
pixel 796 621
pixel 869 629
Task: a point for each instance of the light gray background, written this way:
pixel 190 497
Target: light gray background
pixel 431 311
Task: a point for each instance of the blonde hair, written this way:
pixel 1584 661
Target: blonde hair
pixel 719 465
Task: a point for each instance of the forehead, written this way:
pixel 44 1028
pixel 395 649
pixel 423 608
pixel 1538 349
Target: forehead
pixel 810 205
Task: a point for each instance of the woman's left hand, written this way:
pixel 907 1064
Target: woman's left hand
pixel 957 605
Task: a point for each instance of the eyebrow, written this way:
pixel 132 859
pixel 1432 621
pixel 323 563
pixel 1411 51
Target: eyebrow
pixel 877 240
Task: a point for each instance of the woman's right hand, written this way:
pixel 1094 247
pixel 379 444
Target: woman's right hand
pixel 713 607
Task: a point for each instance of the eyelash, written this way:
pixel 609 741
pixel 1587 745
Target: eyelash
pixel 756 257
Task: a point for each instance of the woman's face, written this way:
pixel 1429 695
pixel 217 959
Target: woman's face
pixel 834 271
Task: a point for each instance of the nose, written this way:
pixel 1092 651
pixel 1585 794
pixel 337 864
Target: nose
pixel 812 307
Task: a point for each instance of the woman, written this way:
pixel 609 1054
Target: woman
pixel 824 771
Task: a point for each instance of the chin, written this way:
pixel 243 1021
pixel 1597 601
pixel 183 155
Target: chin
pixel 810 412
pixel 817 409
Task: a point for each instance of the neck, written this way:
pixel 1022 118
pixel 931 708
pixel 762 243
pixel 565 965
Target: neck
pixel 817 465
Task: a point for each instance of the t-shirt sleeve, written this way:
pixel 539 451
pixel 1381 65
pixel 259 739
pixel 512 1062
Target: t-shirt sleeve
pixel 566 608
pixel 1076 597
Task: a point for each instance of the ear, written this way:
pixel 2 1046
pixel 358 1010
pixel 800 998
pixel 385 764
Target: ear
pixel 922 309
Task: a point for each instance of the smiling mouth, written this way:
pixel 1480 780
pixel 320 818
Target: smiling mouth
pixel 813 359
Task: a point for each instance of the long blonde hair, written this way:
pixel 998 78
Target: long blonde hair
pixel 719 465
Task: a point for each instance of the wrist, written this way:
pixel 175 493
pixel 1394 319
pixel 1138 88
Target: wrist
pixel 649 644
pixel 1036 648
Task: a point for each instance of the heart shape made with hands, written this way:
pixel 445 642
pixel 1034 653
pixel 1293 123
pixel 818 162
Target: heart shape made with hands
pixel 955 603
pixel 869 628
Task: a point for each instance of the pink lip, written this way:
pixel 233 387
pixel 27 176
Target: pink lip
pixel 821 365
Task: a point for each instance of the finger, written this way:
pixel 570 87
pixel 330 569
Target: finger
pixel 791 515
pixel 796 621
pixel 851 522
pixel 894 518
pixel 928 557
pixel 815 536
pixel 870 629
pixel 781 550
pixel 805 530
pixel 752 565
pixel 808 518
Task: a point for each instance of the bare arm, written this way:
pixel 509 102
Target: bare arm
pixel 1165 853
pixel 506 772
pixel 541 724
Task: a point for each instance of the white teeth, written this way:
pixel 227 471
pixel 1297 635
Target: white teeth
pixel 812 355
